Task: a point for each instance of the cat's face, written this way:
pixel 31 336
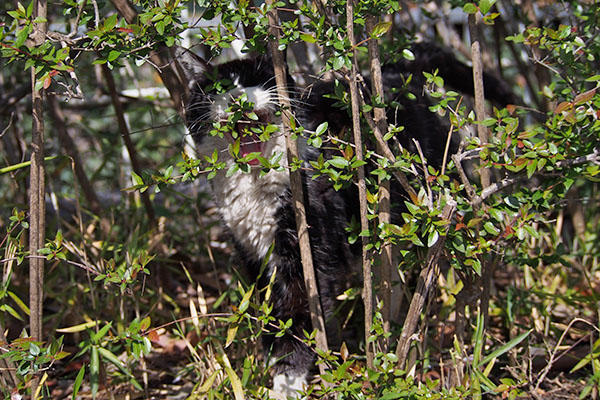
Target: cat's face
pixel 233 109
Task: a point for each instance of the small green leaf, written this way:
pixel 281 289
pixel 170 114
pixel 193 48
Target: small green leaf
pixel 433 238
pixel 486 5
pixel 111 22
pixel 19 302
pixel 308 38
pixel 322 128
pixel 207 385
pixel 113 55
pixel 470 8
pixel 380 29
pixel 338 62
pixel 408 55
pixel 78 381
pixel 160 27
pixel 137 179
pixel 339 162
pixel 491 229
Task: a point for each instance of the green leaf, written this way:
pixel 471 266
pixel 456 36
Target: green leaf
pixel 34 349
pixel 78 328
pixel 11 311
pixel 486 5
pixel 339 162
pixel 308 38
pixel 478 338
pixel 138 180
pixel 207 385
pixel 78 381
pixel 531 167
pixel 160 27
pixel 380 29
pixel 14 14
pixel 94 370
pixel 491 229
pixel 113 360
pixel 19 302
pixel 506 347
pixel 433 238
pixel 408 55
pixel 236 384
pixel 470 8
pixel 21 9
pixel 111 22
pixel 23 35
pixel 321 129
pixel 100 334
pixel 113 55
pixel 246 300
pixel 338 62
pixel 412 208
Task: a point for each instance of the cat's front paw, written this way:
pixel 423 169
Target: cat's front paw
pixel 287 386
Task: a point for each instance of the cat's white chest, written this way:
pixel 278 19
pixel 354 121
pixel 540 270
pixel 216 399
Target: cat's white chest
pixel 248 205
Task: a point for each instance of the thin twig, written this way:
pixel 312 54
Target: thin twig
pixel 557 348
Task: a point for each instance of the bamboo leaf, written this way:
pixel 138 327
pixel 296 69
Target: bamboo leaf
pixel 78 381
pixel 236 384
pixel 506 347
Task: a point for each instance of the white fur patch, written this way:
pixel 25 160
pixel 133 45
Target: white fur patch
pixel 286 386
pixel 248 204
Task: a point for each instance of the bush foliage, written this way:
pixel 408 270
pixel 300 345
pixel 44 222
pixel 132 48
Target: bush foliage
pixel 498 250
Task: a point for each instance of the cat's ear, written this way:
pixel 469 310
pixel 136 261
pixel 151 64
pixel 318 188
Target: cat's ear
pixel 192 66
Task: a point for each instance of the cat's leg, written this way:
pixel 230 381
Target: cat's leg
pixel 290 357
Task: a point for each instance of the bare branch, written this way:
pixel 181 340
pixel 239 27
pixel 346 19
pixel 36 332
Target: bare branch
pixel 37 190
pixel 310 281
pixel 384 217
pixel 362 187
pixel 478 85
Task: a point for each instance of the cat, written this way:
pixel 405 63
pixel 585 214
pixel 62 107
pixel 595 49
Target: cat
pixel 256 208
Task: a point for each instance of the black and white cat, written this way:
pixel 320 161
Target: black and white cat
pixel 257 208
